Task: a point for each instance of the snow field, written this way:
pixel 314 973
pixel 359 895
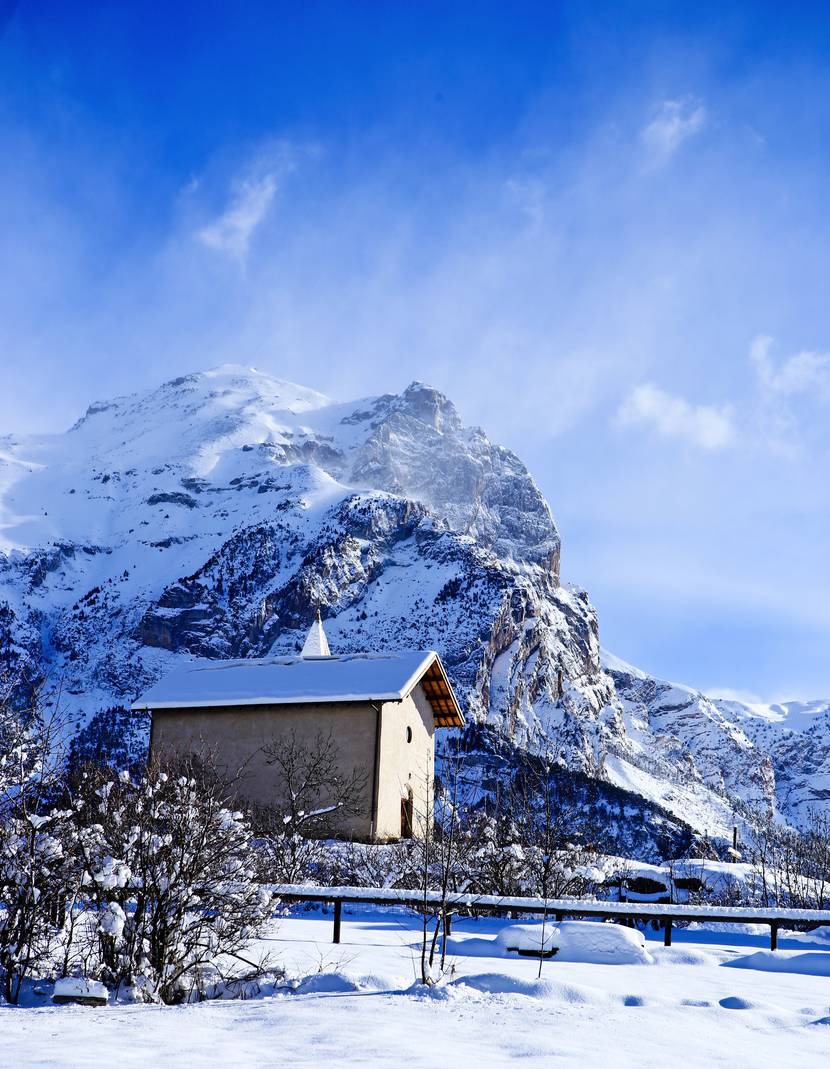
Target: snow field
pixel 356 1004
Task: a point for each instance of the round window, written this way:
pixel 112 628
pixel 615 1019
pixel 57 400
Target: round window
pixel 409 734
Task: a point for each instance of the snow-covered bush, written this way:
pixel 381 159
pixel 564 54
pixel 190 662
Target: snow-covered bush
pixel 373 864
pixel 146 883
pixel 36 851
pixel 168 878
pixel 33 879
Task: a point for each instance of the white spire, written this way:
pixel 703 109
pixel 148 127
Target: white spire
pixel 316 643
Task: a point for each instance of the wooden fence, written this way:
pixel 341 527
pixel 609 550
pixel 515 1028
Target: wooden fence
pixel 664 914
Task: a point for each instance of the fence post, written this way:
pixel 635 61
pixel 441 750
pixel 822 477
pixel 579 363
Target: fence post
pixel 667 932
pixel 338 913
pixel 773 936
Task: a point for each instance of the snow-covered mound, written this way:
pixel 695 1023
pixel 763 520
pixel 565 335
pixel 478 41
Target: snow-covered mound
pixel 79 989
pixel 210 517
pixel 806 963
pixel 586 941
pixel 601 944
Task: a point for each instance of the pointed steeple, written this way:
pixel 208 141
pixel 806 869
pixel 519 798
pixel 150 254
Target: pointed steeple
pixel 316 643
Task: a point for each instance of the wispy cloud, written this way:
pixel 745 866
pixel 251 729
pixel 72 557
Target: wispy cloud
pixel 775 416
pixel 704 426
pixel 674 122
pixel 232 231
pixel 803 373
pixel 251 195
pixel 787 390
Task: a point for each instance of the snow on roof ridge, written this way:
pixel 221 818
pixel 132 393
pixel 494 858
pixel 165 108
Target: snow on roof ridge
pixel 208 665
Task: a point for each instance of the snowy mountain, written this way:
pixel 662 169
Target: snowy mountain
pixel 211 516
pixel 751 754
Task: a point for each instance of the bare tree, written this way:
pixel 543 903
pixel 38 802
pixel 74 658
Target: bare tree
pixel 437 861
pixel 314 795
pixel 815 861
pixel 532 837
pixel 791 866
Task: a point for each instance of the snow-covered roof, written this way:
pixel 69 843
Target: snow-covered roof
pixel 350 677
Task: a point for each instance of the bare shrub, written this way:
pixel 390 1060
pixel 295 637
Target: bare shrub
pixel 791 867
pixel 314 795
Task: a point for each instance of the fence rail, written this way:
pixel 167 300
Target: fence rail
pixel 559 908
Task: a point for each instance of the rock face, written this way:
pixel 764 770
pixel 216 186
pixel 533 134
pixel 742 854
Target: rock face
pixel 211 516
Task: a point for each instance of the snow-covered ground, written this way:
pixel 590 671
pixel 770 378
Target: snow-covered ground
pixel 358 1007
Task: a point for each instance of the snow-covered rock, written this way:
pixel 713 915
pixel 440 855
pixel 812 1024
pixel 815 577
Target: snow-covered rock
pixel 749 755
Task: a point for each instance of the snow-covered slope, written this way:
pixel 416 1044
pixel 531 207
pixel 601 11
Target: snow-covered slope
pixel 796 736
pixel 754 755
pixel 211 516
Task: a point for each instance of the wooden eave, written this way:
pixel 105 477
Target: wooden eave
pixel 439 693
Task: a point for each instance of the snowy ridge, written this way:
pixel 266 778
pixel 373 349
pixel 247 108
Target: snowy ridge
pixel 211 516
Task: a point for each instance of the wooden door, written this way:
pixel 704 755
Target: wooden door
pixel 406 817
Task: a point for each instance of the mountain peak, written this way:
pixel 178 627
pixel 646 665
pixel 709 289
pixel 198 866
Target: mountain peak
pixel 234 426
pixel 431 406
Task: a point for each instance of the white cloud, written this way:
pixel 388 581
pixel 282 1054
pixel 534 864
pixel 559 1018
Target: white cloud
pixel 231 233
pixel 674 122
pixel 804 373
pixel 674 417
pixel 787 392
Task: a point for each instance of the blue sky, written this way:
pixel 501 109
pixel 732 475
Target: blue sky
pixel 601 229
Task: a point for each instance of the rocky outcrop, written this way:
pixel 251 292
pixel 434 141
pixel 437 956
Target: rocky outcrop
pixel 418 448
